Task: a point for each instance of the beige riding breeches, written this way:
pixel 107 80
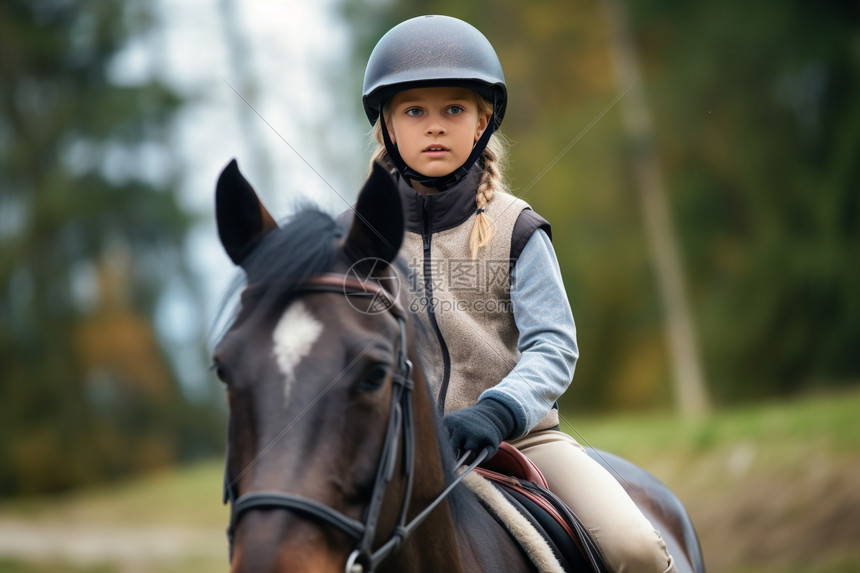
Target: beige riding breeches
pixel 626 539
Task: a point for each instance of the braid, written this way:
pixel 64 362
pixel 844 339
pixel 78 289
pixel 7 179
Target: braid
pixel 491 181
pixel 379 154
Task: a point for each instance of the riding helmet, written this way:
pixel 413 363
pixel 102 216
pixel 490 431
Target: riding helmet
pixel 430 51
pixel 433 51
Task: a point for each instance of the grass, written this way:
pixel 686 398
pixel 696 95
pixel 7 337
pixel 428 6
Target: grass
pixel 187 497
pixel 771 489
pixel 828 421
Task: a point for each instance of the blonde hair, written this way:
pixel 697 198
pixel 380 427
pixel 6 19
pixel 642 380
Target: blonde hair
pixel 492 163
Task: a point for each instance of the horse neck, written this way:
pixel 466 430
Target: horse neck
pixel 433 546
pixel 463 539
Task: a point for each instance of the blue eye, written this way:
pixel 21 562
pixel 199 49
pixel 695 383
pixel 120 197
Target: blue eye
pixel 455 109
pixel 413 111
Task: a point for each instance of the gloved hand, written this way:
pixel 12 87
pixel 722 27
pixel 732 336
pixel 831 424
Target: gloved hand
pixel 482 426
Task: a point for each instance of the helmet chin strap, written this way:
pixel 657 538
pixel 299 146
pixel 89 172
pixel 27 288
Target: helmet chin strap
pixel 446 181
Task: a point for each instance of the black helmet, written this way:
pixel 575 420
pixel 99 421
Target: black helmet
pixel 433 51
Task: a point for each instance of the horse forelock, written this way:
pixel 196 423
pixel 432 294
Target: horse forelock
pixel 303 246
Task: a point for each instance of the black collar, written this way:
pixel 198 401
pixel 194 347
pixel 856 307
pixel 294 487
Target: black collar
pixel 445 209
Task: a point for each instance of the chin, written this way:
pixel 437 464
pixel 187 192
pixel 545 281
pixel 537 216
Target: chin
pixel 437 170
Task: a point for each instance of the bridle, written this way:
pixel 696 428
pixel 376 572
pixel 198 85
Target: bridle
pixel 363 559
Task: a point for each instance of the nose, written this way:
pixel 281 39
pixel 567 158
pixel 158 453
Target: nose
pixel 435 125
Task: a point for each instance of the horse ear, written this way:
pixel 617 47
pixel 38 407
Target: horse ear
pixel 377 226
pixel 242 219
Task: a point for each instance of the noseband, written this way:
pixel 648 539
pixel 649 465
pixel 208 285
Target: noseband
pixel 363 558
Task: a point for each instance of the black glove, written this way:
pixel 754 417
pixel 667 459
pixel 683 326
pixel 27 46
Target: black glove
pixel 483 426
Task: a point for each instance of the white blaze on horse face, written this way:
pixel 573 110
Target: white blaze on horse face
pixel 294 335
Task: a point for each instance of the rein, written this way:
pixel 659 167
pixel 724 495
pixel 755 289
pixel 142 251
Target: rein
pixel 363 558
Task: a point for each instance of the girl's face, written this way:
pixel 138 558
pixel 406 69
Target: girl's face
pixel 435 128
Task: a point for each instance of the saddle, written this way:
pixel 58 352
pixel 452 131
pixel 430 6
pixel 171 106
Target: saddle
pixel 524 486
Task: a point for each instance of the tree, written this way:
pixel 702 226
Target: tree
pixel 89 233
pixel 691 393
pixel 760 129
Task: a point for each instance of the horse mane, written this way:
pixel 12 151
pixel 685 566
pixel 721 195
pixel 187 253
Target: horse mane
pixel 304 245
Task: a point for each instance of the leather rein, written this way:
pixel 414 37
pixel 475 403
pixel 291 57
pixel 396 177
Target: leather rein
pixel 363 559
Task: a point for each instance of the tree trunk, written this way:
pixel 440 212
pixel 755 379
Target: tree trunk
pixel 689 385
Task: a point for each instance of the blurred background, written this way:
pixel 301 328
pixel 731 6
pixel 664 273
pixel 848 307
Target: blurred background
pixel 698 163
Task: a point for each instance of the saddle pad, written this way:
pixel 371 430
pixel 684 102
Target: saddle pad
pixel 568 538
pixel 521 529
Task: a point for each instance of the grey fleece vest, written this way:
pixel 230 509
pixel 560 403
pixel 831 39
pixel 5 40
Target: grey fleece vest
pixel 463 305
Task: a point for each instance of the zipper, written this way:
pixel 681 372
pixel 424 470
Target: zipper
pixel 427 206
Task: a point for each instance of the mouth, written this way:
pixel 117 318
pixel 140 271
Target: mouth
pixel 435 148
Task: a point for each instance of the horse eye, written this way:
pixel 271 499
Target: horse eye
pixel 375 377
pixel 219 371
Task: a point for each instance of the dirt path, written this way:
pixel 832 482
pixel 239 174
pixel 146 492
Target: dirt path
pixel 796 517
pixel 127 549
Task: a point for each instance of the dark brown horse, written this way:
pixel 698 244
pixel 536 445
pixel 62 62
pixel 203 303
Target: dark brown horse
pixel 335 457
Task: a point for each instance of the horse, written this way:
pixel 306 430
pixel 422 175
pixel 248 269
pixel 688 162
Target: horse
pixel 337 459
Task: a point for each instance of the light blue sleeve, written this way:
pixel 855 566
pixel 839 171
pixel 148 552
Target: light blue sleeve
pixel 547 336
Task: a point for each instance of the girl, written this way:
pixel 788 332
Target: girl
pixel 484 277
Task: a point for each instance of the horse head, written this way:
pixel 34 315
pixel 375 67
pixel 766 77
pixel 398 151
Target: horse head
pixel 310 367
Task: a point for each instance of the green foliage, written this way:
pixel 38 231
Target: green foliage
pixel 757 130
pixel 760 130
pixel 89 231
